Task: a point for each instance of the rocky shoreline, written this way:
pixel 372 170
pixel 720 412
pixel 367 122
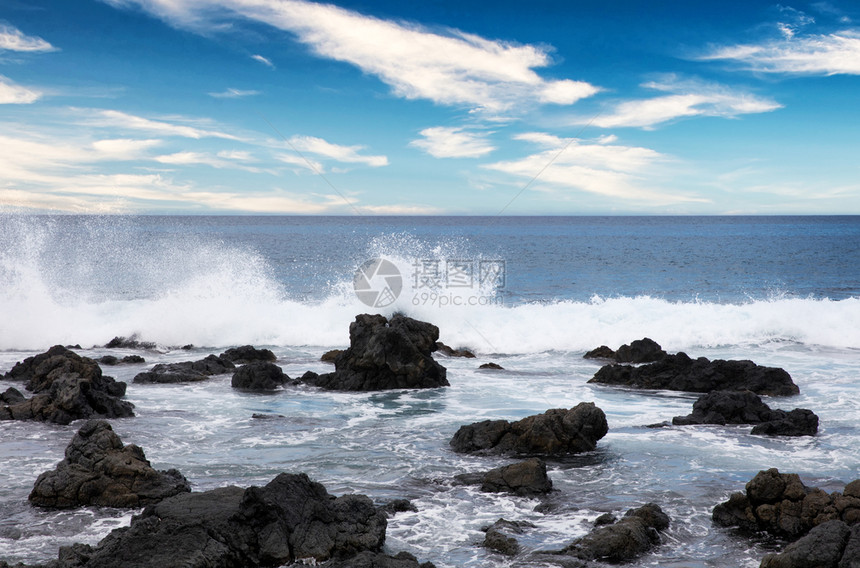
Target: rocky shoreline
pixel 294 519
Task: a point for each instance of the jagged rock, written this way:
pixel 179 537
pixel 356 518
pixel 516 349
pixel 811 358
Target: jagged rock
pixel 832 544
pixel 780 504
pixel 745 407
pixel 186 371
pixel 522 478
pixel 66 387
pixel 555 432
pixel 290 519
pixel 499 536
pixel 644 350
pixel 602 352
pixel 259 376
pixel 399 506
pixel 99 470
pixel 679 372
pixel 384 355
pixel 132 342
pixel 12 396
pixel 451 352
pixel 330 356
pixel 493 366
pixel 247 354
pixel 624 540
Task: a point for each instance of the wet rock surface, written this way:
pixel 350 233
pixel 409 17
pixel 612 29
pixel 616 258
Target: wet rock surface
pixel 644 350
pixel 526 478
pixel 259 376
pixel 99 470
pixel 186 371
pixel 555 432
pixel 745 407
pixel 780 504
pixel 66 387
pixel 681 373
pixel 247 354
pixel 385 355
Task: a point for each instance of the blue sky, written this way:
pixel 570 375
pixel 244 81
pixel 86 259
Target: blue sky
pixel 435 107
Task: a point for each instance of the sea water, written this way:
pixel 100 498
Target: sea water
pixel 529 293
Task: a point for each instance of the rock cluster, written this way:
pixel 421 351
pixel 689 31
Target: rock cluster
pixel 555 432
pixel 745 407
pixel 99 470
pixel 451 352
pixel 780 504
pixel 186 371
pixel 247 354
pixel 385 354
pixel 681 373
pixel 830 544
pixel 644 350
pixel 66 387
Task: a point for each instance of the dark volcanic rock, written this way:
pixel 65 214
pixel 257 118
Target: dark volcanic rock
pixel 132 342
pixel 451 352
pixel 780 504
pixel 745 407
pixel 555 432
pixel 12 396
pixel 679 372
pixel 127 360
pixel 247 354
pixel 380 560
pixel 398 506
pixel 186 371
pixel 259 376
pixel 829 545
pixel 331 356
pixel 99 470
pixel 384 355
pixel 66 387
pixel 522 478
pixel 492 366
pixel 624 540
pixel 292 518
pixel 602 352
pixel 644 350
pixel 500 536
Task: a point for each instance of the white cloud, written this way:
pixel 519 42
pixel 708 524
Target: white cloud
pixel 12 93
pixel 452 68
pixel 452 142
pixel 348 154
pixel 616 171
pixel 264 60
pixel 303 162
pixel 13 39
pixel 233 94
pixel 828 54
pixel 687 98
pixel 122 120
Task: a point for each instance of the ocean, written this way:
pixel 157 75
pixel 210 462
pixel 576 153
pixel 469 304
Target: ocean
pixel 531 294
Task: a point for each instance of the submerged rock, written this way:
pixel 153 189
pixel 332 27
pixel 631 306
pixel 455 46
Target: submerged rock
pixel 186 371
pixel 555 432
pixel 780 504
pixel 745 407
pixel 66 387
pixel 526 478
pixel 120 342
pixel 500 536
pixel 635 534
pixel 127 360
pixel 385 355
pixel 99 470
pixel 247 354
pixel 681 373
pixel 451 352
pixel 492 366
pixel 259 376
pixel 291 519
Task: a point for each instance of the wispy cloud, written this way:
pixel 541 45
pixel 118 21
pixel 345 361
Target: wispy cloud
pixel 233 94
pixel 451 68
pixel 125 121
pixel 348 154
pixel 685 98
pixel 453 142
pixel 13 39
pixel 12 93
pixel 619 172
pixel 836 53
pixel 264 60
